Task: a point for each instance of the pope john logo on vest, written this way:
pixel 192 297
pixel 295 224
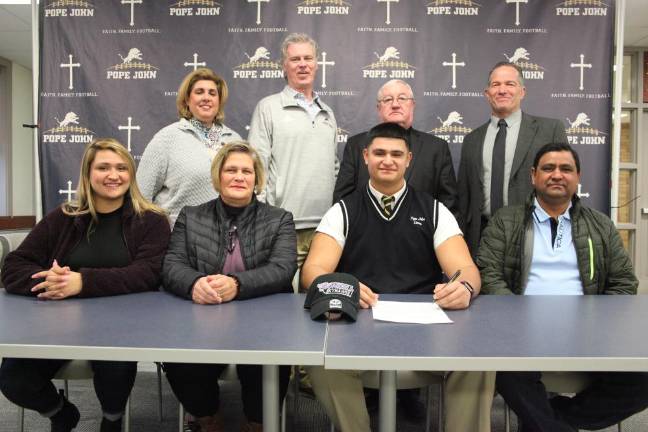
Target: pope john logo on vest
pixel 389 65
pixel 418 221
pixel 132 66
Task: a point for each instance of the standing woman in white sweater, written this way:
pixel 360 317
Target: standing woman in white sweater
pixel 175 168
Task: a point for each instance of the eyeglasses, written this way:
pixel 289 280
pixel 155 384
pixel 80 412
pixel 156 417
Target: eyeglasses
pixel 231 239
pixel 388 100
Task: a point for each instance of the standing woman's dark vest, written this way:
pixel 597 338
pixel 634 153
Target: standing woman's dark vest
pixel 391 254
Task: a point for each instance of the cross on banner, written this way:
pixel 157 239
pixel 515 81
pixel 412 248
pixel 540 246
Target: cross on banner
pixel 195 63
pixel 324 63
pixel 69 191
pixel 70 66
pixel 258 2
pixel 389 2
pixel 517 9
pixel 454 65
pixel 128 128
pixel 582 65
pixel 132 4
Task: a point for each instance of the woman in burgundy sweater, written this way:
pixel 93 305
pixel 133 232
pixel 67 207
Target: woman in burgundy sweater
pixel 109 241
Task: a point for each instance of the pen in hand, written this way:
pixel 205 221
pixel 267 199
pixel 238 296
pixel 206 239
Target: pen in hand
pixel 453 278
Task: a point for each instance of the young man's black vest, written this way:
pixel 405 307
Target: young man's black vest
pixel 391 254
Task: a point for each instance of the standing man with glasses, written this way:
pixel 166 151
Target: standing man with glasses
pixel 431 169
pixel 295 134
pixel 496 157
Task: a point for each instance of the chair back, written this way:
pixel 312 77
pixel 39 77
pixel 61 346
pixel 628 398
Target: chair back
pixel 9 240
pixel 4 248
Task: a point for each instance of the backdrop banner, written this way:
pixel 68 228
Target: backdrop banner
pixel 111 68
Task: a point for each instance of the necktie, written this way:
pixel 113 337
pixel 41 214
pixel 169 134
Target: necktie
pixel 497 169
pixel 387 202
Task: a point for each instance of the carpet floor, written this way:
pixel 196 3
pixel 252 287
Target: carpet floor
pixel 308 416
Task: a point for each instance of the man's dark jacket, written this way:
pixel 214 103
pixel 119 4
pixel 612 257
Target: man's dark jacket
pixel 534 133
pixel 506 250
pixel 199 243
pixel 430 171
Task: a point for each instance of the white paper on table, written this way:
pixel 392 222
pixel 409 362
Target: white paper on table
pixel 410 312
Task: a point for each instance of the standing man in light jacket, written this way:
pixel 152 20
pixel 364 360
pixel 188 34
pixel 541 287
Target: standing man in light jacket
pixel 554 245
pixel 431 169
pixel 496 157
pixel 295 134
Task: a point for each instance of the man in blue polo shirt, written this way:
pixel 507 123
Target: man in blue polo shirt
pixel 554 245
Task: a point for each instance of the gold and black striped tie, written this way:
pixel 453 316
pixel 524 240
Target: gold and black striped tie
pixel 387 202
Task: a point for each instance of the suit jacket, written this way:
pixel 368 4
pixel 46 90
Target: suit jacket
pixel 534 133
pixel 430 171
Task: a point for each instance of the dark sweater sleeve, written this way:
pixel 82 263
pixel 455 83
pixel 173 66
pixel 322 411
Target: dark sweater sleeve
pixel 277 273
pixel 447 192
pixel 347 178
pixel 151 232
pixel 178 275
pixel 32 256
pixel 464 196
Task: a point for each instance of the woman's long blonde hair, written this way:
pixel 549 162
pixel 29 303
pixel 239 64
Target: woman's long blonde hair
pixel 85 202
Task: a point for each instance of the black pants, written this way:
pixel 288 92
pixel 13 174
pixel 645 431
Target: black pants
pixel 28 383
pixel 196 387
pixel 610 398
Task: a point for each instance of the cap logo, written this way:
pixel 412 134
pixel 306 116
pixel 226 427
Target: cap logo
pixel 335 304
pixel 339 288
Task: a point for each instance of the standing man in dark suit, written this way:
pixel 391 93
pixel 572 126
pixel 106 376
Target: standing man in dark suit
pixel 431 169
pixel 496 158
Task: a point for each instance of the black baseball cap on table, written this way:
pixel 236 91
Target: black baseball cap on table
pixel 333 292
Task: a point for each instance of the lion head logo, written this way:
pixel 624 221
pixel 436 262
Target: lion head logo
pixel 133 54
pixel 69 119
pixel 260 53
pixel 390 53
pixel 453 117
pixel 519 54
pixel 582 119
